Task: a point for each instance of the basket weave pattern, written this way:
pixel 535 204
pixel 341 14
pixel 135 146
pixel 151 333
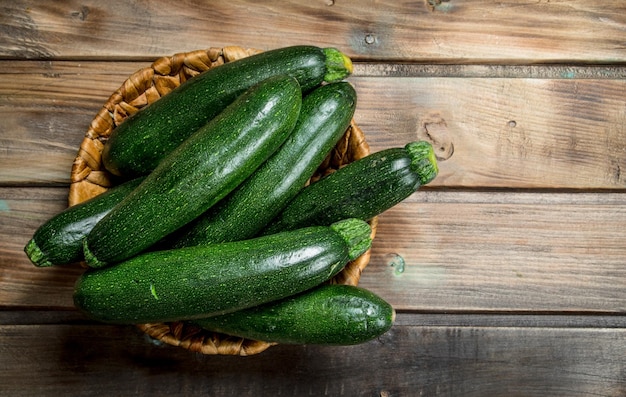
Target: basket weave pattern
pixel 89 178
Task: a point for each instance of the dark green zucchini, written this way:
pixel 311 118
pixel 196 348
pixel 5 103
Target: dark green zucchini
pixel 330 314
pixel 137 145
pixel 362 189
pixel 198 173
pixel 325 115
pixel 196 282
pixel 59 241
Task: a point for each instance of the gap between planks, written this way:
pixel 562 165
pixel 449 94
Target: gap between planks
pixel 70 66
pixel 404 318
pixel 539 71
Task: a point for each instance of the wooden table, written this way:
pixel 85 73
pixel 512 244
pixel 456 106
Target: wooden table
pixel 508 271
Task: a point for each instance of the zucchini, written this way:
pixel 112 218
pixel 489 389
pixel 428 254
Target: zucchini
pixel 326 113
pixel 199 173
pixel 331 314
pixel 197 282
pixel 362 189
pixel 137 145
pixel 59 240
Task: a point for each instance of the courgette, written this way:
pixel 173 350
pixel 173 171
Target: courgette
pixel 331 314
pixel 326 113
pixel 137 145
pixel 197 282
pixel 59 241
pixel 362 189
pixel 199 172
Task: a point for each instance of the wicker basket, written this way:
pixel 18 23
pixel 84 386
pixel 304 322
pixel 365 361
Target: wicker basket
pixel 89 178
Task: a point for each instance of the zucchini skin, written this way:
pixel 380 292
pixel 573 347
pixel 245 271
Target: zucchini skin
pixel 199 172
pixel 324 117
pixel 331 314
pixel 362 189
pixel 59 241
pixel 137 145
pixel 197 282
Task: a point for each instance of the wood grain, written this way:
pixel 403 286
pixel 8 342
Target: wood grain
pixel 437 251
pixel 409 360
pixel 501 132
pixel 496 251
pixel 507 271
pixel 494 132
pixel 46 109
pixel 23 284
pixel 442 31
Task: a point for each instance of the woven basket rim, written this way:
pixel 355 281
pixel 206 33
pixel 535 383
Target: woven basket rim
pixel 89 178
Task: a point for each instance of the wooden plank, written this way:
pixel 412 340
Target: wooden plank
pixel 409 360
pixel 499 251
pixel 46 109
pixel 23 316
pixel 437 251
pixel 491 132
pixel 427 30
pixel 502 132
pixel 22 211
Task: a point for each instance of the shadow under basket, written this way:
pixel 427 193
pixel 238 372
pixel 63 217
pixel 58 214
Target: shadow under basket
pixel 89 177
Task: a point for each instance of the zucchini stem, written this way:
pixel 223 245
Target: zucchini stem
pixel 338 65
pixel 423 160
pixel 357 235
pixel 35 254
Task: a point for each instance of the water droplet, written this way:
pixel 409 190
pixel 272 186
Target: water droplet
pixel 153 291
pixel 397 262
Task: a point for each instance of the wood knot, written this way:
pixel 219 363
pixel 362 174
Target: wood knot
pixel 434 129
pixel 81 14
pixel 438 5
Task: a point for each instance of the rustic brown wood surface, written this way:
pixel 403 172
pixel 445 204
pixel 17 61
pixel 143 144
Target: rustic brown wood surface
pixel 440 31
pixel 491 131
pixel 508 271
